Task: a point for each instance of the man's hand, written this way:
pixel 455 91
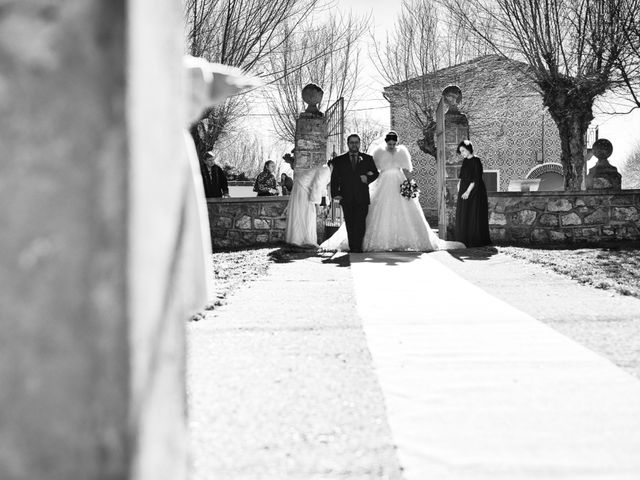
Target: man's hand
pixel 363 178
pixel 273 191
pixel 369 174
pixel 465 196
pixel 226 195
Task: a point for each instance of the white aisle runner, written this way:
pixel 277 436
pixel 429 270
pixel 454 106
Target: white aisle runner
pixel 476 389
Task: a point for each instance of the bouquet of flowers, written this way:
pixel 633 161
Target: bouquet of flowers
pixel 409 189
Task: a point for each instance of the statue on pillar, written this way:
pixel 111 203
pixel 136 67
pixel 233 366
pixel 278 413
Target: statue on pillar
pixel 312 95
pixel 305 219
pixel 452 127
pixel 311 131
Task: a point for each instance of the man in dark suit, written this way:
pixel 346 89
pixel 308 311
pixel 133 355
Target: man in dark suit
pixel 214 179
pixel 352 173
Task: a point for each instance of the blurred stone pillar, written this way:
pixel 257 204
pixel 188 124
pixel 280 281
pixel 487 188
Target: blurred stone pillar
pixel 452 127
pixel 311 142
pixel 92 185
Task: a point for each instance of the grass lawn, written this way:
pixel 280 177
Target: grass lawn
pixel 610 268
pixel 234 268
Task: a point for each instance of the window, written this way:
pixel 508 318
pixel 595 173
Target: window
pixel 492 180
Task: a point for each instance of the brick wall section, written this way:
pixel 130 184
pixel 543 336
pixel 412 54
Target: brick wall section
pixel 242 222
pixel 564 217
pixel 507 122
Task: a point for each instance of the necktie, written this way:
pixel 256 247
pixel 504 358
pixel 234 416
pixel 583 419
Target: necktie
pixel 354 161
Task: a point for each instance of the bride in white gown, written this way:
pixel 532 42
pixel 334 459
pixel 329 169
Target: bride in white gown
pixel 394 223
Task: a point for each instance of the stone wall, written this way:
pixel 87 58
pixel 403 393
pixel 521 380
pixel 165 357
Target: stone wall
pixel 564 217
pixel 243 222
pixel 511 131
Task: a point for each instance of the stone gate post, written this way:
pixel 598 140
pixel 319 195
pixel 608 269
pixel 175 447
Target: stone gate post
pixel 452 127
pixel 311 140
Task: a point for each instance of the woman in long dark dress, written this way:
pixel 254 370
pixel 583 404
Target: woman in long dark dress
pixel 472 211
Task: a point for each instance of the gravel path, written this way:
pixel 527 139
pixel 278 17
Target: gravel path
pixel 280 379
pixel 281 384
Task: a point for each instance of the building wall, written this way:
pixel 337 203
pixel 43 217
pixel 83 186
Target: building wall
pixel 508 125
pixel 564 217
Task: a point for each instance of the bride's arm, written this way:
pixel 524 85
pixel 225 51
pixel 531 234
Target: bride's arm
pixel 404 161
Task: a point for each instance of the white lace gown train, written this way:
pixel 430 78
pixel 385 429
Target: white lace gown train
pixel 309 186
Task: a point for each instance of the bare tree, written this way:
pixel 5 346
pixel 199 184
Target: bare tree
pixel 325 54
pixel 412 55
pixel 630 65
pixel 368 128
pixel 573 49
pixel 243 152
pixel 630 169
pixel 239 33
pixel 408 55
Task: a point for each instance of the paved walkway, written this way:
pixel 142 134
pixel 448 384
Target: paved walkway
pixel 281 385
pixel 476 389
pixel 284 384
pixel 603 321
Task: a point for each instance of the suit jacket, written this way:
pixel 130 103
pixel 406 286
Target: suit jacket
pixel 346 182
pixel 215 185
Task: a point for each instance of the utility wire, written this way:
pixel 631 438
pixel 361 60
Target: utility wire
pixel 296 114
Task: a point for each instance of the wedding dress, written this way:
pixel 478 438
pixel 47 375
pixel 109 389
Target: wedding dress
pixel 394 223
pixel 309 186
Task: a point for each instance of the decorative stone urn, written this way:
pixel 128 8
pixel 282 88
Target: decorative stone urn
pixel 452 96
pixel 603 176
pixel 312 95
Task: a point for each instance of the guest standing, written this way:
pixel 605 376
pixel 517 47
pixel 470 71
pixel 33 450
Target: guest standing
pixel 286 182
pixel 214 179
pixel 266 184
pixel 472 211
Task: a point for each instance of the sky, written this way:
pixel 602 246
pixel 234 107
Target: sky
pixel 622 130
pixel 370 101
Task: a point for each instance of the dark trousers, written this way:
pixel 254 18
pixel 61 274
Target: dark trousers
pixel 355 216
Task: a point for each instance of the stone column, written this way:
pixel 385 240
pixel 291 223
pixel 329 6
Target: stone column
pixel 311 132
pixel 311 141
pixel 603 176
pixel 452 127
pixel 91 339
